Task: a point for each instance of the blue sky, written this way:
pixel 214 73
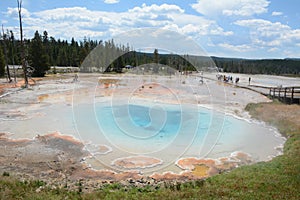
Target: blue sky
pixel 229 28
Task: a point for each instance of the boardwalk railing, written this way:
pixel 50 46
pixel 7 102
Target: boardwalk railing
pixel 286 94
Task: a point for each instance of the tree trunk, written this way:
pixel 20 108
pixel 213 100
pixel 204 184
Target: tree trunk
pixel 13 56
pixel 22 44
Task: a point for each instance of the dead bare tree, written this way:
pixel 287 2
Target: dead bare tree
pixel 13 55
pixel 6 58
pixel 24 66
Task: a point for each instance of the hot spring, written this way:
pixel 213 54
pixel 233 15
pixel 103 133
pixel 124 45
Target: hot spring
pixel 154 136
pixel 146 127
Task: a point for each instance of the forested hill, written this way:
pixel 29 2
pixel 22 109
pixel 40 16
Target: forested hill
pixel 43 51
pixel 262 66
pixel 288 66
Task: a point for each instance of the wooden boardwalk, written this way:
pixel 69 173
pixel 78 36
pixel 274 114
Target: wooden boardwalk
pixel 287 95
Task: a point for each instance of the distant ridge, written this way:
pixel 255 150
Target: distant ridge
pixel 284 66
pixel 292 59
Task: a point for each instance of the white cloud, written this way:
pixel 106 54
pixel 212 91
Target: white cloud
pixel 111 1
pixel 231 7
pixel 276 13
pixel 291 54
pixel 164 40
pixel 172 17
pixel 157 9
pixel 272 34
pixel 237 48
pixel 13 12
pixel 3 21
pixel 265 37
pixel 273 49
pixel 79 21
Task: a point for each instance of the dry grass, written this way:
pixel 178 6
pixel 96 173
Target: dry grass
pixel 285 117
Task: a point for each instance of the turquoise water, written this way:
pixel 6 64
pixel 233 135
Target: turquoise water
pixel 173 131
pixel 142 130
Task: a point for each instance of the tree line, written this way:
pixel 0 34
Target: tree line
pixel 43 51
pixel 134 58
pixel 263 66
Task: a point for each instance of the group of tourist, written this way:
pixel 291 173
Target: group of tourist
pixel 227 79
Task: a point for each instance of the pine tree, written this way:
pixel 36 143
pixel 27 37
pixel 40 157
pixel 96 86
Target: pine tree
pixel 38 57
pixel 2 63
pixel 156 56
pixel 155 60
